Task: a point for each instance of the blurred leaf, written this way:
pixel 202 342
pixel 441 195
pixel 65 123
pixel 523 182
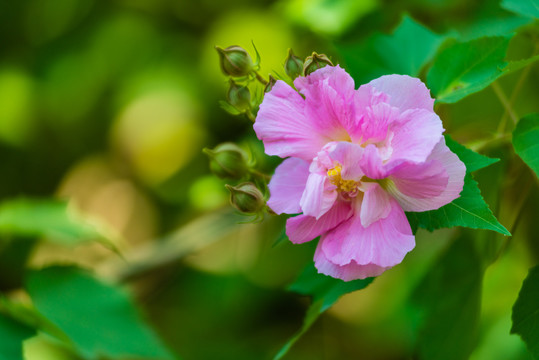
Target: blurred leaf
pixel 12 335
pixel 30 317
pixel 470 209
pixel 526 141
pixel 464 68
pixel 43 347
pixel 48 218
pixel 324 288
pixel 325 291
pixel 328 17
pixel 526 312
pixel 98 318
pixel 450 296
pixel 528 8
pixel 405 51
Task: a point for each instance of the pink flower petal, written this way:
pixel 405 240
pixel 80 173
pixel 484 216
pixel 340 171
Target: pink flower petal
pixel 383 243
pixel 430 185
pixel 329 94
pixel 416 134
pixel 348 272
pixel 283 127
pixel 318 196
pixel 404 92
pixel 376 124
pixel 376 205
pixel 287 185
pixel 347 155
pixel 371 163
pixel 303 228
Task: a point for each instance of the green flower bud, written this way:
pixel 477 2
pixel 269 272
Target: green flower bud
pixel 315 62
pixel 270 84
pixel 293 66
pixel 235 61
pixel 247 198
pixel 239 96
pixel 228 161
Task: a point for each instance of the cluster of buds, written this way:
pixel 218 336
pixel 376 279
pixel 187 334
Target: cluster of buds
pixel 228 160
pixel 236 63
pixel 231 162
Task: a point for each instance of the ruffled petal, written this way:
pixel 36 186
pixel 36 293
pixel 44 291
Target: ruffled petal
pixel 318 196
pixel 287 185
pixel 431 185
pixel 329 94
pixel 283 127
pixel 371 163
pixel 415 135
pixel 404 92
pixel 376 205
pixel 384 243
pixel 302 228
pixel 347 154
pixel 348 272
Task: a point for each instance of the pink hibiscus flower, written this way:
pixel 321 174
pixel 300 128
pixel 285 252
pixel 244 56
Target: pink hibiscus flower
pixel 356 160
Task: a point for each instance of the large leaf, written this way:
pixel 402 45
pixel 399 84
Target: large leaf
pixel 99 319
pixel 325 291
pixel 12 334
pixel 52 219
pixel 470 209
pixel 526 312
pixel 450 299
pixel 405 51
pixel 528 8
pixel 464 68
pixel 526 141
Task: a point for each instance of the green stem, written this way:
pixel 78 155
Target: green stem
pixel 512 99
pixel 260 174
pixel 260 78
pixel 505 102
pixel 482 144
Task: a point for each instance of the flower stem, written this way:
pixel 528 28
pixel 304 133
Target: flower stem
pixel 260 78
pixel 482 144
pixel 505 102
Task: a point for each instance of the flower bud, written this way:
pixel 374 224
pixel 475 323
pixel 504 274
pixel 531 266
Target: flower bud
pixel 235 61
pixel 239 96
pixel 315 62
pixel 228 160
pixel 246 197
pixel 270 84
pixel 293 66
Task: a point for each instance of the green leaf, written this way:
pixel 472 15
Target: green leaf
pixel 12 335
pixel 325 291
pixel 98 318
pixel 470 209
pixel 526 141
pixel 525 315
pixel 450 299
pixel 464 68
pixel 405 51
pixel 52 219
pixel 528 8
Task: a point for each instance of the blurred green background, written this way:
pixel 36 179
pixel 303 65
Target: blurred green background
pixel 109 103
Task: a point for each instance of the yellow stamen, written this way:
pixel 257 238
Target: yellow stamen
pixel 341 184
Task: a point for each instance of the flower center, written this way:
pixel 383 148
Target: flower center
pixel 346 186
